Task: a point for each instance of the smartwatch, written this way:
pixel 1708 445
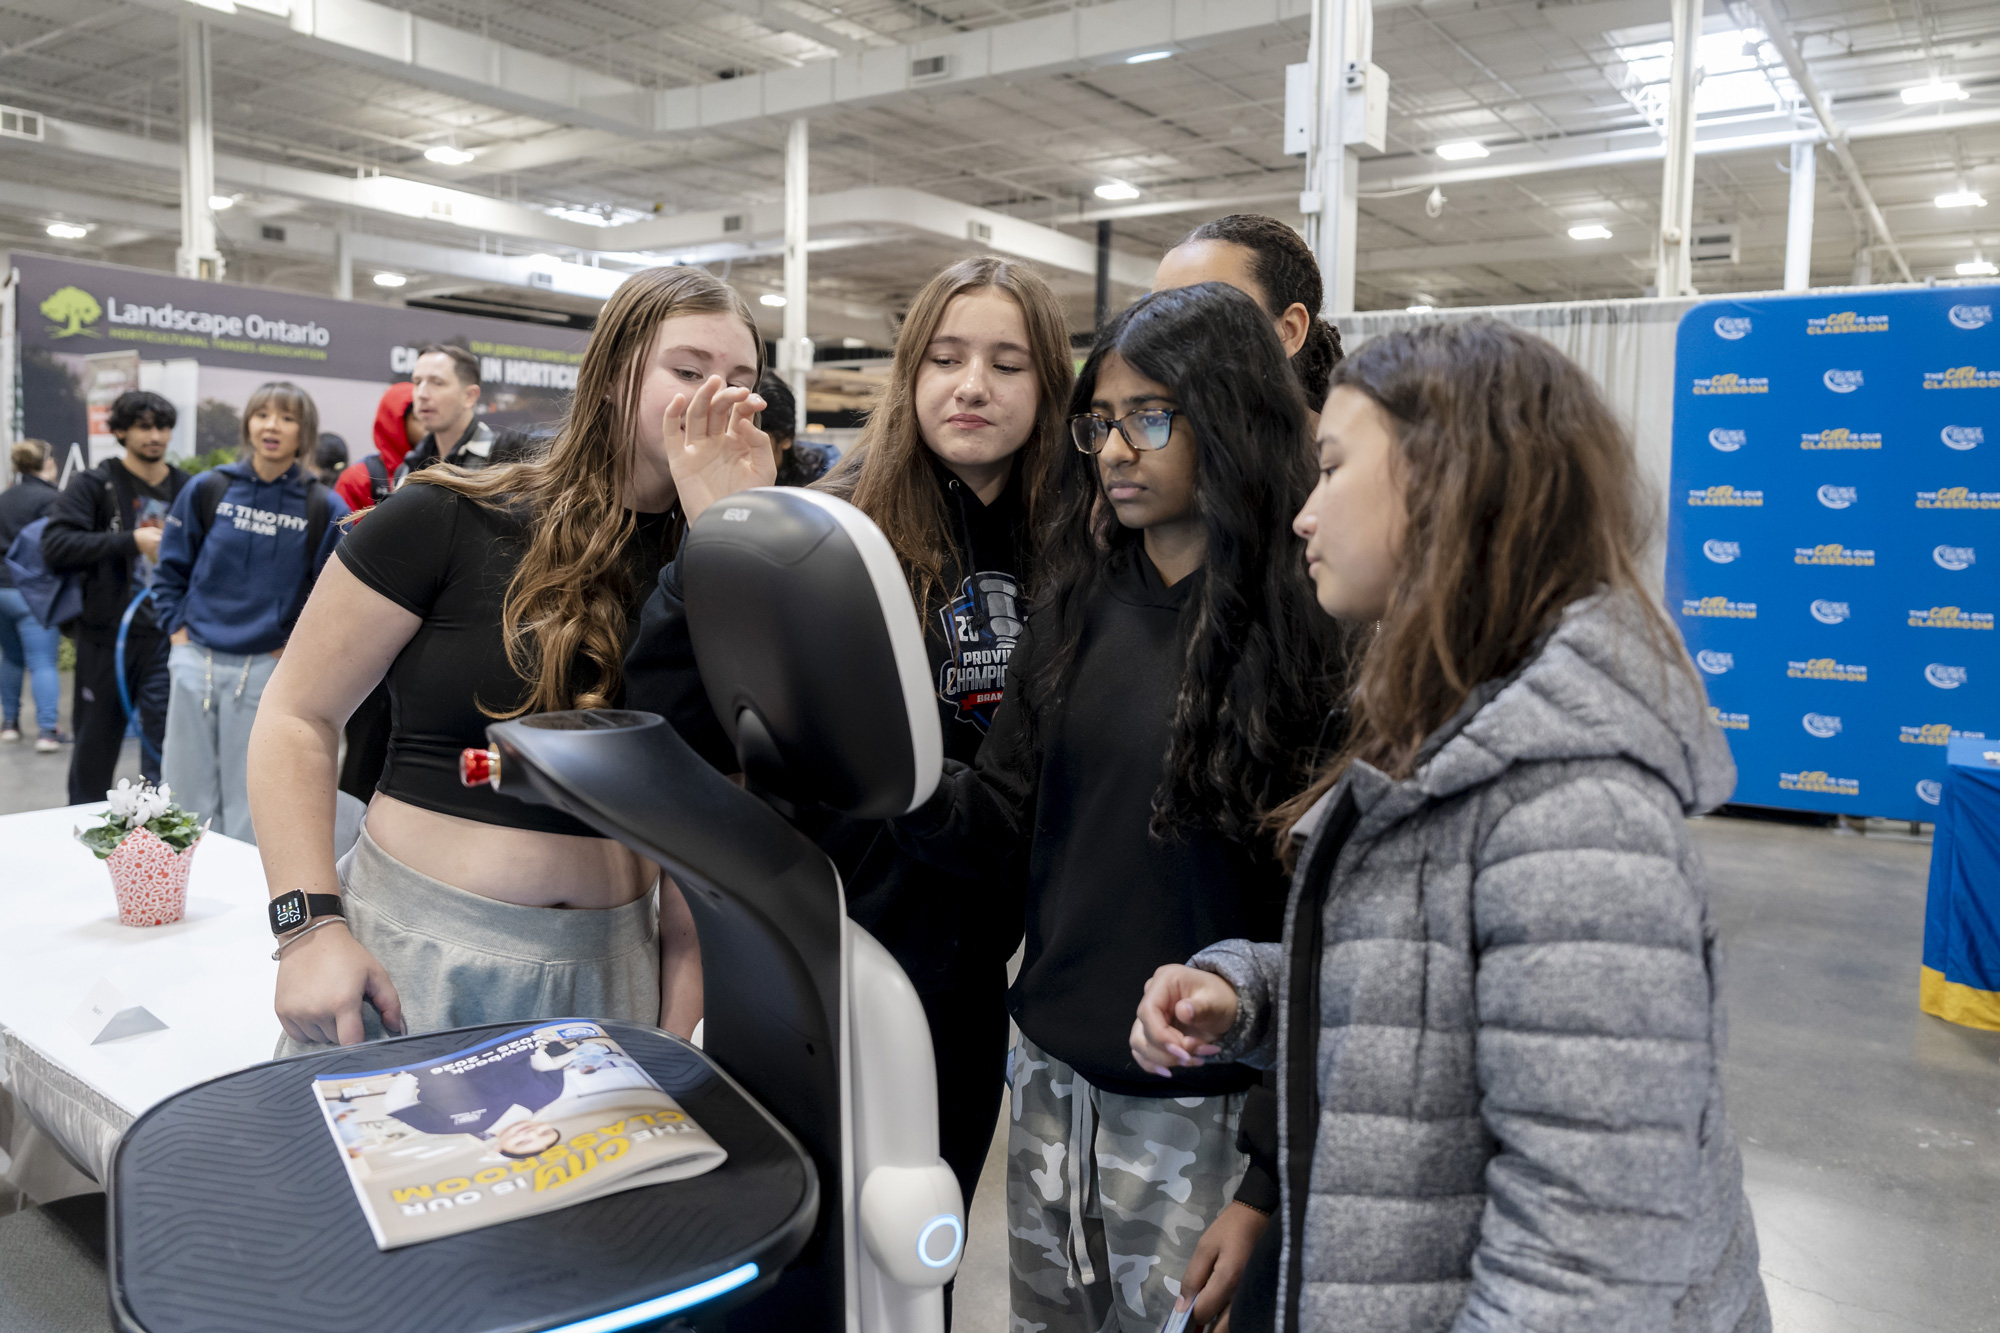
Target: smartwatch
pixel 298 909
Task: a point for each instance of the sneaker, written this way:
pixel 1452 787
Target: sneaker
pixel 10 732
pixel 49 742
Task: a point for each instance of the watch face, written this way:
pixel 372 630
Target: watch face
pixel 288 911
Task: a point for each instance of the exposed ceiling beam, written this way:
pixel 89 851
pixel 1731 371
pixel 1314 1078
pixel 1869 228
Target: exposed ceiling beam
pixel 1836 138
pixel 465 64
pixel 890 211
pixel 772 16
pixel 1582 152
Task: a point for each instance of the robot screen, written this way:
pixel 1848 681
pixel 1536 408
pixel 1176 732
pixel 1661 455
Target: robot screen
pixel 810 651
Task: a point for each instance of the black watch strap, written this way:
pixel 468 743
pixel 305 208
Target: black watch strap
pixel 299 909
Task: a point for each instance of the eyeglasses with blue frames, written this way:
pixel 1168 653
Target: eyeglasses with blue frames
pixel 1149 428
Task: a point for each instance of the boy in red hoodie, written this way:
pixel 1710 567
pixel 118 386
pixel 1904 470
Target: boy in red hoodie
pixel 365 484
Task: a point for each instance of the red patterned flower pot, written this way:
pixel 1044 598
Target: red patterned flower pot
pixel 150 879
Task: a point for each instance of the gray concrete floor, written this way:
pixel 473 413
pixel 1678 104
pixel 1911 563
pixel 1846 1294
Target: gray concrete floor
pixel 30 781
pixel 1871 1133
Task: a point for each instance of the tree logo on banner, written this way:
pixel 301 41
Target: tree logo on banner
pixel 74 310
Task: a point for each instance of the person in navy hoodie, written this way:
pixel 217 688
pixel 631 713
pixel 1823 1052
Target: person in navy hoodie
pixel 244 544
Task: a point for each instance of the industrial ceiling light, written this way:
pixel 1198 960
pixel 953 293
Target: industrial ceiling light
pixel 587 216
pixel 447 155
pixel 1962 199
pixel 390 279
pixel 1419 309
pixel 1147 57
pixel 68 231
pixel 1590 231
pixel 1117 190
pixel 1978 268
pixel 218 202
pixel 773 300
pixel 1933 91
pixel 1461 150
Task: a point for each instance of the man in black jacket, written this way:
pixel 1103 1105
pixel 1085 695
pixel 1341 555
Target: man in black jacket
pixel 107 527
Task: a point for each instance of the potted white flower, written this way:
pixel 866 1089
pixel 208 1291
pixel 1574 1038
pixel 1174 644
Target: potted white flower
pixel 149 843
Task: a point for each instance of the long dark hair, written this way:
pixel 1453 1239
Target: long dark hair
pixel 887 475
pixel 1261 660
pixel 1284 267
pixel 1524 496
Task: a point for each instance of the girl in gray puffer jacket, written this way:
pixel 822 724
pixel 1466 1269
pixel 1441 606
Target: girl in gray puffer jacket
pixel 1495 1011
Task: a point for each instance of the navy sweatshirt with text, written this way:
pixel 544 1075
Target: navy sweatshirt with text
pixel 239 587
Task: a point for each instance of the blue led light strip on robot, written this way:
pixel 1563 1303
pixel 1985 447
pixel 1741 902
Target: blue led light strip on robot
pixel 671 1303
pixel 957 1240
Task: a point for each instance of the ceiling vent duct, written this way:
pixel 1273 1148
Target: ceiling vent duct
pixel 930 69
pixel 732 222
pixel 18 124
pixel 1716 243
pixel 976 230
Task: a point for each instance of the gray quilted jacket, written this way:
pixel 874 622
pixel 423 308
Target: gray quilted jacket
pixel 1496 1018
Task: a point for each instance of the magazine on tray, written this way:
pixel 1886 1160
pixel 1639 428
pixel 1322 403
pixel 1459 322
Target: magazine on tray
pixel 535 1120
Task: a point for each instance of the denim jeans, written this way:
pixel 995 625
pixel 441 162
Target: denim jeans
pixel 27 651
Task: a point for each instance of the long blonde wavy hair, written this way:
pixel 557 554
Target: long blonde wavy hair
pixel 564 614
pixel 887 475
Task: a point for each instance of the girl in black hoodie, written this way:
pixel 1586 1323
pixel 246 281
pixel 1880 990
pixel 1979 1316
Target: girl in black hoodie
pixel 1171 685
pixel 951 468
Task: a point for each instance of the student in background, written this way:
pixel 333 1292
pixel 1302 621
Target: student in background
pixel 244 544
pixel 363 486
pixel 1495 1014
pixel 1271 263
pixel 955 468
pixel 27 647
pixel 329 458
pixel 107 527
pixel 1266 259
pixel 1169 688
pixel 444 396
pixel 366 484
pixel 798 464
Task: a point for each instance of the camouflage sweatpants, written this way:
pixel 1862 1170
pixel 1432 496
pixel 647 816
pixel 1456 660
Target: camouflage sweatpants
pixel 1099 1239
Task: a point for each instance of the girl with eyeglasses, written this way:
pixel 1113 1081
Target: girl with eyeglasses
pixel 1169 687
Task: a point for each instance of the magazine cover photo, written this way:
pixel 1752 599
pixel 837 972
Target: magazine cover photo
pixel 537 1119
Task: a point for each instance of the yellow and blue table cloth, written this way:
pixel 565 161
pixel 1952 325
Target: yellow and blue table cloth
pixel 1961 972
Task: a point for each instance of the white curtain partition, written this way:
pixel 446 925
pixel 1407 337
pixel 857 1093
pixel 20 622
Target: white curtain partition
pixel 1626 346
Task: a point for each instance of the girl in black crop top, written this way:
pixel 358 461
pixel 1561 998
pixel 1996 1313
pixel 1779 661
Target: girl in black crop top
pixel 479 596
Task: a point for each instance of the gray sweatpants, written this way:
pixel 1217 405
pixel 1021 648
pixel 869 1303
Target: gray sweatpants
pixel 206 758
pixel 458 959
pixel 1107 1195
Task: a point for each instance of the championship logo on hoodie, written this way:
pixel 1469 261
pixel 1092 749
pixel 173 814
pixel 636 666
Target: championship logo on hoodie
pixel 980 626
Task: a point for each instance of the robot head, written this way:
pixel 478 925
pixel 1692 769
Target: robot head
pixel 811 653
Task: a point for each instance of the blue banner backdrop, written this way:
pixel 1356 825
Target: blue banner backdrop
pixel 1836 484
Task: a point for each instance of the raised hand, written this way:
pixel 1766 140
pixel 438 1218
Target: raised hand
pixel 713 445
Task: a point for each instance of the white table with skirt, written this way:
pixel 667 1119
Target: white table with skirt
pixel 209 977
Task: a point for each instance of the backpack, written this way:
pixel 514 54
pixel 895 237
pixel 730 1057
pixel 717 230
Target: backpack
pixel 54 599
pixel 380 485
pixel 208 495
